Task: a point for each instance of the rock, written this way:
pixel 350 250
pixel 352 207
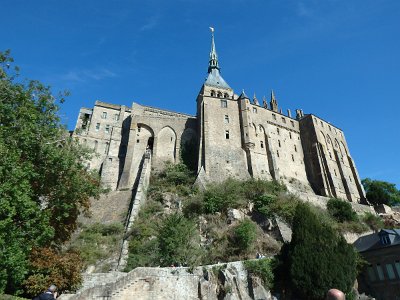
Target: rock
pixel 284 230
pixel 235 215
pixel 90 269
pixel 383 209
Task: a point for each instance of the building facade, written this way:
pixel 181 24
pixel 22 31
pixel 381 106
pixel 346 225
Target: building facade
pixel 230 136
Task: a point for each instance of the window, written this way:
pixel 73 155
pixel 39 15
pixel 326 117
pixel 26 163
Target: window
pixel 104 115
pixel 277 130
pixel 390 271
pixel 274 116
pixel 385 239
pixel 262 145
pixel 371 273
pixel 330 129
pixel 212 94
pixel 334 172
pixel 116 117
pixel 292 157
pixel 138 129
pixel 227 134
pixel 283 120
pixel 254 110
pixel 137 141
pixel 322 124
pixel 277 153
pixel 380 272
pixel 106 148
pixel 97 126
pixel 290 135
pixel 397 266
pixel 295 148
pixel 291 122
pixel 226 119
pixel 279 143
pixel 219 95
pixel 224 104
pixel 107 129
pixel 330 155
pixel 226 95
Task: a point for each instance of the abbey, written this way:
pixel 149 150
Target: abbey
pixel 230 136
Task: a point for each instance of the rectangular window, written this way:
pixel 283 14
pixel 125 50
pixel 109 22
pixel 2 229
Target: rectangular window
pixel 277 153
pixel 279 143
pixel 371 273
pixel 138 129
pixel 224 104
pixel 97 126
pixel 322 124
pixel 283 120
pixel 116 117
pixel 104 115
pixel 107 129
pixel 295 148
pixel 292 157
pixel 262 145
pixel 291 122
pixel 390 271
pixel 277 130
pixel 274 116
pixel 227 134
pixel 380 272
pixel 290 135
pixel 226 119
pixel 397 266
pixel 254 110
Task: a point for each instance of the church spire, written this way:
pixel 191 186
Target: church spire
pixel 213 63
pixel 214 78
pixel 273 103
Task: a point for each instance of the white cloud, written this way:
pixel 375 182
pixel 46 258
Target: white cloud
pixel 83 75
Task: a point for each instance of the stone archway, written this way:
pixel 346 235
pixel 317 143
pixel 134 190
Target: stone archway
pixel 166 145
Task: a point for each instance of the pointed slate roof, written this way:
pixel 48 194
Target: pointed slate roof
pixel 214 77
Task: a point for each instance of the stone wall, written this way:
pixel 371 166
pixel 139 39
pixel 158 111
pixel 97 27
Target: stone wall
pixel 223 281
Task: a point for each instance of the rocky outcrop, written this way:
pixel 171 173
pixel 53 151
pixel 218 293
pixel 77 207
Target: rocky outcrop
pixel 222 281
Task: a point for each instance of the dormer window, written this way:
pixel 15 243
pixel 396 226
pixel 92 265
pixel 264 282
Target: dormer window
pixel 385 239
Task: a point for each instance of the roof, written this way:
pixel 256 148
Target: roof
pixel 373 241
pixel 215 79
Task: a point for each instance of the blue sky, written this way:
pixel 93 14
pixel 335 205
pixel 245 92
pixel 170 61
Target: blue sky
pixel 339 60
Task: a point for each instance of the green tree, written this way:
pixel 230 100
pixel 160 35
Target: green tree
pixel 44 184
pixel 319 258
pixel 381 192
pixel 245 234
pixel 178 241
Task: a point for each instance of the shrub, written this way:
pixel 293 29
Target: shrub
pixel 373 221
pixel 341 210
pixel 262 268
pixel 245 234
pixel 264 204
pixel 178 241
pixel 316 248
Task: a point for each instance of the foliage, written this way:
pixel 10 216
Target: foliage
pixel 233 193
pixel 334 262
pixel 188 154
pixel 44 184
pixel 381 192
pixel 245 234
pixel 341 210
pixel 97 242
pixel 373 221
pixel 264 269
pixel 178 241
pixel 49 266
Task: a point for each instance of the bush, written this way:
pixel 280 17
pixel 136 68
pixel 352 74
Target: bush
pixel 178 241
pixel 316 248
pixel 341 210
pixel 373 221
pixel 262 268
pixel 245 234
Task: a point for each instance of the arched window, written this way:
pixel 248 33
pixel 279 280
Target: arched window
pixel 212 93
pixel 219 95
pixel 226 95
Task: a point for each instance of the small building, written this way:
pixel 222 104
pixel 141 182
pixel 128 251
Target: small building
pixel 381 278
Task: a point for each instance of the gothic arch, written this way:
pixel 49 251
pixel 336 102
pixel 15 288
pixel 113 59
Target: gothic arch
pixel 166 144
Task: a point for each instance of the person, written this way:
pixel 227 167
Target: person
pixel 335 294
pixel 50 294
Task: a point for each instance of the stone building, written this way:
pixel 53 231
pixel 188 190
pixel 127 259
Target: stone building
pixel 230 136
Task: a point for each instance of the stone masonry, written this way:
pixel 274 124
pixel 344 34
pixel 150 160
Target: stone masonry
pixel 233 136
